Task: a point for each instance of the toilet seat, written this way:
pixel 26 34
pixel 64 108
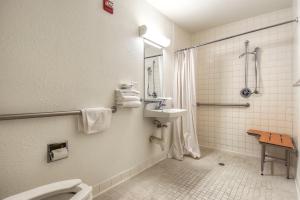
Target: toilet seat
pixel 80 190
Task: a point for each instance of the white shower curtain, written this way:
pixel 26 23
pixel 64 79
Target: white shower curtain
pixel 184 136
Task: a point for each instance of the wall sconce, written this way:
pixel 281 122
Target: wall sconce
pixel 154 39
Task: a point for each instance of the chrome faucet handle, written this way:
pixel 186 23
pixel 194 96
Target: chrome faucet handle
pixel 161 104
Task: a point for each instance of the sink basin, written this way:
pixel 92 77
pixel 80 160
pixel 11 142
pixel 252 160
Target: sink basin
pixel 165 115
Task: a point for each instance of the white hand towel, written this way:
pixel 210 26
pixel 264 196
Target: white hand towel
pixel 94 120
pixel 130 104
pixel 128 98
pixel 128 91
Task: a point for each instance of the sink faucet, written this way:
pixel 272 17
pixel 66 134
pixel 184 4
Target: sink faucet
pixel 160 105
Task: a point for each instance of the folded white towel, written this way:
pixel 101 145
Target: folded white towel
pixel 94 120
pixel 128 91
pixel 130 104
pixel 121 98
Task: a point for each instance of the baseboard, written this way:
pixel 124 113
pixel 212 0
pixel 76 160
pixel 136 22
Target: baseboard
pixel 229 151
pixel 109 183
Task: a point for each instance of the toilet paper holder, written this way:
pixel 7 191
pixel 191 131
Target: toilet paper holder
pixel 56 146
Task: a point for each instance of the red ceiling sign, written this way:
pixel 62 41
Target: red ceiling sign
pixel 108 5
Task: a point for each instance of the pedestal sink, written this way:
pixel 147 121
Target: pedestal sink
pixel 161 117
pixel 164 115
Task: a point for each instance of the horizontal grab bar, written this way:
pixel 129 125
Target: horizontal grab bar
pixel 44 114
pixel 224 104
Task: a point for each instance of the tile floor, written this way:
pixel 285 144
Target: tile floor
pixel 204 179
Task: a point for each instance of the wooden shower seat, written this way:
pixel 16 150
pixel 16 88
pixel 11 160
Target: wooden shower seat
pixel 279 140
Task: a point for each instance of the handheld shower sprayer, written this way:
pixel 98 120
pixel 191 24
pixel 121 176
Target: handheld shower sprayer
pixel 256 53
pixel 246 92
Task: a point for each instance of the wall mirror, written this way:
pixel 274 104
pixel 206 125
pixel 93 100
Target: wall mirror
pixel 153 71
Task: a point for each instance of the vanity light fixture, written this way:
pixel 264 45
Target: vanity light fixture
pixel 152 44
pixel 153 38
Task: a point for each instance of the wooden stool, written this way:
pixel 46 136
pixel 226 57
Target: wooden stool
pixel 278 140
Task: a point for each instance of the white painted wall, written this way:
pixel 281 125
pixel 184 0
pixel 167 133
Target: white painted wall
pixel 221 77
pixel 64 55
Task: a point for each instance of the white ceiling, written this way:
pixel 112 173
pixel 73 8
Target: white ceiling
pixel 195 15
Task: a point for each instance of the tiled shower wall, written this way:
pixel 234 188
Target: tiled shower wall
pixel 220 77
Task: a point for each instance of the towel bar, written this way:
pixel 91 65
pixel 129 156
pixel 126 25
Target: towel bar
pixel 44 114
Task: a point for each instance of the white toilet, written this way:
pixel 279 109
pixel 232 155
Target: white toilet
pixel 64 190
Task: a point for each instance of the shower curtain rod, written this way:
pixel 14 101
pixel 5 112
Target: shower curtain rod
pixel 237 35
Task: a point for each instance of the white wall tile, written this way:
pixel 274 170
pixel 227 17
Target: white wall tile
pixel 220 77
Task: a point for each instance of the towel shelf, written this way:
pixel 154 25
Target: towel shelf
pixel 224 105
pixel 44 114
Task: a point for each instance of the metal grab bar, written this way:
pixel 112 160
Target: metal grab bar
pixel 44 114
pixel 224 105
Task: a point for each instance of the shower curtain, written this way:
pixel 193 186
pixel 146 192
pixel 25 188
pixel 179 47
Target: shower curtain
pixel 184 136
